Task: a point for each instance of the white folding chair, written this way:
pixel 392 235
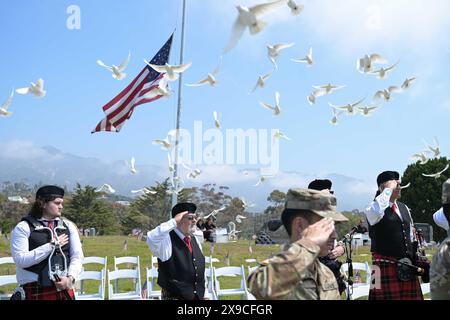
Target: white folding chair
pixel 154 262
pixel 210 292
pixel 92 275
pixel 231 271
pixel 93 260
pixel 132 274
pixel 134 261
pixel 7 280
pixel 209 260
pixel 359 289
pixel 7 260
pixel 152 277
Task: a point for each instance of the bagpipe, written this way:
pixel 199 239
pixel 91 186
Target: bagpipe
pixel 420 258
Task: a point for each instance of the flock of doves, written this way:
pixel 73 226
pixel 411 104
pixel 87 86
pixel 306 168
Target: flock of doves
pixel 250 18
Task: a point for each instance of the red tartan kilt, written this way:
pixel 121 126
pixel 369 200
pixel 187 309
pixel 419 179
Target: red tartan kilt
pixel 386 285
pixel 33 291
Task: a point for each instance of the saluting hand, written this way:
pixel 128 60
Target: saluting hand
pixel 180 217
pixel 319 232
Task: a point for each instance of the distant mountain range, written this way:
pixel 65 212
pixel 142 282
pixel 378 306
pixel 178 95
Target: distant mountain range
pixel 49 165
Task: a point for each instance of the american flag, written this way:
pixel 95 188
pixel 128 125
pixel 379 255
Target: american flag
pixel 120 109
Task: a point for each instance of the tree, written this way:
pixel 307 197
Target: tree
pixel 424 196
pixel 87 211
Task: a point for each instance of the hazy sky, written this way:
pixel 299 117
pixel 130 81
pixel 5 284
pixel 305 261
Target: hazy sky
pixel 38 44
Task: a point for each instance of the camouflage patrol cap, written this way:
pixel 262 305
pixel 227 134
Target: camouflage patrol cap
pixel 319 202
pixel 446 192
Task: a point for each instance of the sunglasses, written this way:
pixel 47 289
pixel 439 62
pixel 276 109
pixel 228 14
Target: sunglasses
pixel 194 217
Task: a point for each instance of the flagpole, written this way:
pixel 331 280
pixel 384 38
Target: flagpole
pixel 180 87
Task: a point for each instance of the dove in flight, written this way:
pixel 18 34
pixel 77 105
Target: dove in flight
pixel 117 71
pixel 261 81
pixel 4 108
pixel 250 18
pixel 105 188
pixel 383 72
pixel 210 78
pixel 278 135
pixel 215 212
pixel 308 59
pixel 193 173
pixel 366 111
pixel 295 8
pixel 273 51
pixel 350 108
pixel 171 72
pixel 239 218
pixel 216 120
pixel 36 89
pixel 386 94
pixel 407 83
pixel 262 179
pixel 245 203
pixel 144 191
pixel 132 166
pixel 166 144
pixel 162 89
pixel 336 114
pixel 438 174
pixel 277 109
pixel 329 88
pixel 366 63
pixel 421 157
pixel 435 150
pixel 405 186
pixel 316 93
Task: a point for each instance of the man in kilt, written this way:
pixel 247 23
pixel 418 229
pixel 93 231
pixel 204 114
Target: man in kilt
pixel 391 233
pixel 41 236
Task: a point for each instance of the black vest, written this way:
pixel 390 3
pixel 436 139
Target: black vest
pixel 391 236
pixel 183 275
pixel 39 237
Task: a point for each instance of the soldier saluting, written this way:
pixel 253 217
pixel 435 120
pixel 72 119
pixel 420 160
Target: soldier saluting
pixel 296 273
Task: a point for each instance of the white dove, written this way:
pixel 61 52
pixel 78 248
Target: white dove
pixel 132 166
pixel 405 186
pixel 407 83
pixel 435 150
pixel 245 203
pixel 144 191
pixel 36 89
pixel 438 174
pixel 366 111
pixel 167 142
pixel 105 188
pixel 162 89
pixel 278 135
pixel 216 120
pixel 308 59
pixel 316 93
pixel 365 64
pixel 117 71
pixel 214 212
pixel 421 157
pixel 277 109
pixel 350 108
pixel 336 114
pixel 261 81
pixel 295 8
pixel 262 179
pixel 171 72
pixel 170 164
pixel 383 72
pixel 210 78
pixel 386 94
pixel 4 108
pixel 273 51
pixel 249 17
pixel 329 88
pixel 193 173
pixel 239 218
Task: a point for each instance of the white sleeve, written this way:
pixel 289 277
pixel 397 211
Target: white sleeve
pixel 375 211
pixel 411 232
pixel 159 241
pixel 76 251
pixel 440 219
pixel 22 256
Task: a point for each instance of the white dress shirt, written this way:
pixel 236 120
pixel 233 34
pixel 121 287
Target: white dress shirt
pixel 24 258
pixel 375 211
pixel 159 241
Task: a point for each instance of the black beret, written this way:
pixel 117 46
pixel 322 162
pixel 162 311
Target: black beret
pixel 387 176
pixel 50 191
pixel 320 184
pixel 183 206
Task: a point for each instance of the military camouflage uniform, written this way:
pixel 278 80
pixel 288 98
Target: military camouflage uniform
pixel 296 273
pixel 440 265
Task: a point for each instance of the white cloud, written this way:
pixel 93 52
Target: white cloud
pixel 21 150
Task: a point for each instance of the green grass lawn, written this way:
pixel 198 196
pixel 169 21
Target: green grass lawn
pixel 112 246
